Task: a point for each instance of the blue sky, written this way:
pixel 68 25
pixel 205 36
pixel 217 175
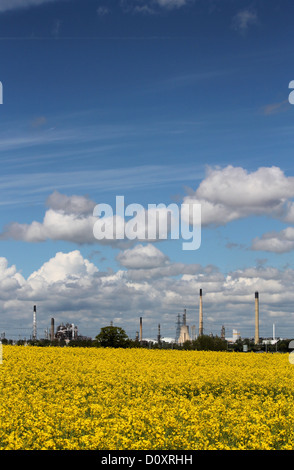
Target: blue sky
pixel 162 101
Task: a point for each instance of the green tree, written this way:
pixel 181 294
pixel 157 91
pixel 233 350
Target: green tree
pixel 112 337
pixel 209 343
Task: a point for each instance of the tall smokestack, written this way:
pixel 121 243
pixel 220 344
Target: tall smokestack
pixel 52 330
pixel 140 329
pixel 158 334
pixel 184 317
pixel 256 338
pixel 200 315
pixel 35 323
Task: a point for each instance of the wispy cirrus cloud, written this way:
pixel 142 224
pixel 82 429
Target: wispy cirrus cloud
pixel 6 5
pixel 152 6
pixel 103 10
pixel 244 19
pixel 172 3
pixel 274 108
pixel 28 187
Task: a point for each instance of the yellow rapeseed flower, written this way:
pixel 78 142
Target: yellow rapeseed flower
pixel 76 398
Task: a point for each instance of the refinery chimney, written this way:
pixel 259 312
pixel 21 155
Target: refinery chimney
pixel 256 338
pixel 35 323
pixel 200 315
pixel 185 317
pixel 158 334
pixel 52 330
pixel 140 329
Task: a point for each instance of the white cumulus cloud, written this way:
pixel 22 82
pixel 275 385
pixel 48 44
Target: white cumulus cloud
pixel 276 242
pixel 224 195
pixel 64 266
pixel 68 218
pixel 72 218
pixel 142 257
pixel 70 288
pixel 231 193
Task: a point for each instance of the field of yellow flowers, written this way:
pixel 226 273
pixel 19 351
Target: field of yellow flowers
pixel 95 398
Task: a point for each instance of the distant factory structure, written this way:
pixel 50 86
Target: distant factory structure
pixel 184 333
pixel 64 332
pixel 235 337
pixel 67 332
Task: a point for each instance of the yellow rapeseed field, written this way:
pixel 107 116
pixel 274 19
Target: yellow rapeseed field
pixel 79 398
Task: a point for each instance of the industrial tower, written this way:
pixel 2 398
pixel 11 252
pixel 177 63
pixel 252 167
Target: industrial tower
pixel 141 330
pixel 35 323
pixel 158 334
pixel 178 331
pixel 256 337
pixel 184 333
pixel 200 314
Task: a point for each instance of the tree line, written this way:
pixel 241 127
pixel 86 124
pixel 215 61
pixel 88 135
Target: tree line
pixel 116 337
